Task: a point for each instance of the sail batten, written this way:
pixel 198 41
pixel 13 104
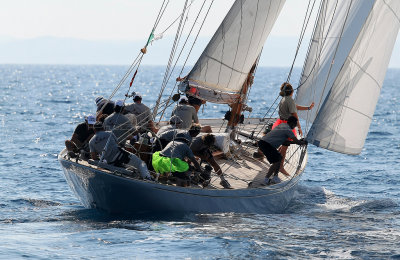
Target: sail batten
pixel 223 67
pixel 346 86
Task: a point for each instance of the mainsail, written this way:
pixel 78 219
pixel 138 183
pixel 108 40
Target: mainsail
pixel 345 67
pixel 223 67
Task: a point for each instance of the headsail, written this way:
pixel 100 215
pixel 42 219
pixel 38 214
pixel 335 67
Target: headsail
pixel 221 70
pixel 346 64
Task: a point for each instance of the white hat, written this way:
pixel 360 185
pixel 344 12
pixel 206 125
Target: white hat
pixel 119 103
pixel 136 95
pixel 98 100
pixel 183 99
pixel 91 119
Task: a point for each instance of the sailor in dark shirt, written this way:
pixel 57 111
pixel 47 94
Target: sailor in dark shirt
pixel 81 136
pixel 104 106
pixel 168 136
pixel 172 159
pixel 201 148
pixel 270 142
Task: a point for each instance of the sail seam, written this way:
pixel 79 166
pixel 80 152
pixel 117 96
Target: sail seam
pixel 252 33
pixel 211 58
pixel 350 108
pixel 390 8
pixel 238 42
pixel 363 70
pixel 222 52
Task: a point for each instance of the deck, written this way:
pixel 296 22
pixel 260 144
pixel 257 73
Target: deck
pixel 240 169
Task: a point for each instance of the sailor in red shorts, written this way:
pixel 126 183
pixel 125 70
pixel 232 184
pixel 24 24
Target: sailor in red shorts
pixel 287 108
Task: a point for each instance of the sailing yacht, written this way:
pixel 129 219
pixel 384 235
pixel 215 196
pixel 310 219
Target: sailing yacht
pixel 343 74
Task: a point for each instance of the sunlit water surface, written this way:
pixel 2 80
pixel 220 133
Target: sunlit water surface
pixel 345 207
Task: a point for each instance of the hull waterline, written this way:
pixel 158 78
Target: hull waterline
pixel 123 195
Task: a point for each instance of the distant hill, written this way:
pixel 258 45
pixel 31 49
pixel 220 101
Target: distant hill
pixel 278 51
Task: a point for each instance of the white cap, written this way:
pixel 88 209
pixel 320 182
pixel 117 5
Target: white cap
pixel 136 95
pixel 91 119
pixel 183 99
pixel 119 103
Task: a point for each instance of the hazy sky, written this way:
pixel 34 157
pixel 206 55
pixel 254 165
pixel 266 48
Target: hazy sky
pixel 116 19
pixel 125 20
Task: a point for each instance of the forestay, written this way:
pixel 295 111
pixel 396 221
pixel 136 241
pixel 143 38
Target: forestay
pixel 344 70
pixel 222 68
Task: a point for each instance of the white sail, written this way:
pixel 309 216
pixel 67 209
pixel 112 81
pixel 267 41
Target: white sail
pixel 222 68
pixel 346 65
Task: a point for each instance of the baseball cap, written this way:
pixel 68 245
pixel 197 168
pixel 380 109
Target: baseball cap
pixel 183 99
pixel 91 119
pixel 119 103
pixel 136 95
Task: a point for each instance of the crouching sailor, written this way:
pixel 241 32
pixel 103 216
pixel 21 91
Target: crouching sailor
pixel 201 148
pixel 271 141
pixel 106 142
pixel 172 159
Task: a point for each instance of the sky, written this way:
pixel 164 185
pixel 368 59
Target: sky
pixel 34 26
pixel 116 20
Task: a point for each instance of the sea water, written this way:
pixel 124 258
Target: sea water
pixel 346 207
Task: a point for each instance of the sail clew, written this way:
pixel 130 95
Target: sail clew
pixel 223 67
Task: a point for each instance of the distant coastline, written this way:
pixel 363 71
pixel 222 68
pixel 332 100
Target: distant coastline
pixel 278 51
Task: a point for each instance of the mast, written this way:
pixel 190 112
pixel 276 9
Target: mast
pixel 238 106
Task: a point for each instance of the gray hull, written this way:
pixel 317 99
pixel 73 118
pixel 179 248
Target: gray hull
pixel 122 195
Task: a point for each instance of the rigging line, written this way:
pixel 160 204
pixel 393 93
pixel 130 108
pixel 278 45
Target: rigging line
pixel 335 52
pixel 321 17
pixel 184 44
pixel 137 62
pixel 169 62
pixel 322 44
pixel 176 19
pixel 109 138
pixel 126 75
pixel 168 71
pixel 190 51
pixel 302 33
pixel 121 82
pixel 197 35
pixel 160 14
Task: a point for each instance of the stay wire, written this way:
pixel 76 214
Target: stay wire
pixel 176 19
pixel 302 33
pixel 190 51
pixel 169 62
pixel 137 62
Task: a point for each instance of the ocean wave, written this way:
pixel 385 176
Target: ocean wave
pixel 379 133
pixel 36 202
pixel 374 205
